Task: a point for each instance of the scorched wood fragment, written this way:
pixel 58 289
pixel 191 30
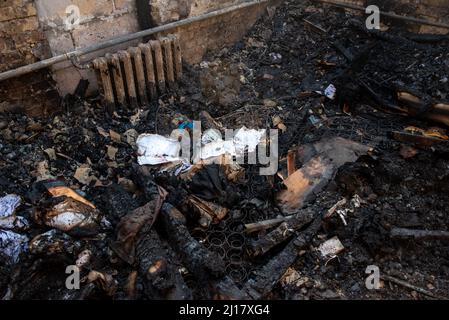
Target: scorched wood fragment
pixel 156 265
pixel 200 261
pixel 283 232
pixel 139 244
pixel 264 279
pixel 322 161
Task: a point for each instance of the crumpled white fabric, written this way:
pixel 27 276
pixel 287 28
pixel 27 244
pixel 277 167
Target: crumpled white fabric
pixel 155 149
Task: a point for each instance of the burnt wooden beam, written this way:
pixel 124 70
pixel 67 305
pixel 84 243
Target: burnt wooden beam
pixel 263 280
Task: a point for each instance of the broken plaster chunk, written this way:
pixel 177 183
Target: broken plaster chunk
pixel 50 153
pixel 131 137
pixel 331 248
pixel 12 245
pixel 111 151
pixel 83 259
pixel 42 172
pixel 115 136
pixel 8 218
pixel 269 103
pixel 82 175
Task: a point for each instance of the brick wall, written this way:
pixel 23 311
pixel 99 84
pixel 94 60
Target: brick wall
pixel 22 42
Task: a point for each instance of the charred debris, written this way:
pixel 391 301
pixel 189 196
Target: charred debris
pixel 362 180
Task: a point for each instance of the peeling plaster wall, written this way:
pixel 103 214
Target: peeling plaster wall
pixel 105 19
pixel 99 20
pixel 165 11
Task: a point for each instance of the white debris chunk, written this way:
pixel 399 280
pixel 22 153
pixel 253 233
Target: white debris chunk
pixel 8 218
pixel 244 139
pixel 330 92
pixel 217 148
pixel 250 138
pixel 154 149
pixel 83 259
pixel 8 205
pixel 66 221
pixel 12 245
pixel 331 248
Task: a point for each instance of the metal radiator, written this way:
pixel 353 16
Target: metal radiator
pixel 134 77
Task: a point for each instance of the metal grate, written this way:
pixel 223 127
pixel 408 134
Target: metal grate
pixel 136 76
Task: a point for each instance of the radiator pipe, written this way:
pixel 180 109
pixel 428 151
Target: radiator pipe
pixel 119 40
pixel 387 14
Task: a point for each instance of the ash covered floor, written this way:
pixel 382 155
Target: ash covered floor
pixel 151 232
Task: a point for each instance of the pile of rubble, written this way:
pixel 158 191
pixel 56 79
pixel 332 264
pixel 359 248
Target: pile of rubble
pixel 360 179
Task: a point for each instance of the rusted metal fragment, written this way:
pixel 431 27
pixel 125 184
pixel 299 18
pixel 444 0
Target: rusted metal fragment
pixel 177 54
pixel 136 55
pixel 159 61
pixel 291 159
pixel 168 61
pixel 119 82
pixel 104 78
pixel 150 69
pixel 125 59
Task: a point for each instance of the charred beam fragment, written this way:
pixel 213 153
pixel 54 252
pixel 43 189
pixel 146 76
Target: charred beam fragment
pixel 200 261
pixel 155 262
pixel 264 279
pixel 419 235
pixel 283 232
